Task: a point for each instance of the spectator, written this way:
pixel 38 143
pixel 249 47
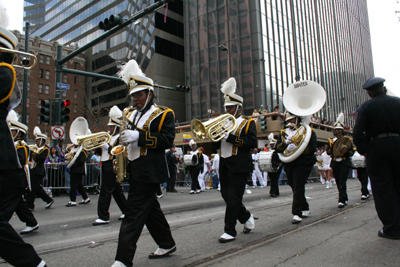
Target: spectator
pixel 255 112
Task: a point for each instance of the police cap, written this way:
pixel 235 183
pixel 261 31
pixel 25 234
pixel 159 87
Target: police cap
pixel 373 83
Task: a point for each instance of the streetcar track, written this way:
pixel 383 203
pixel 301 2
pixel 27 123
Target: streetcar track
pixel 233 251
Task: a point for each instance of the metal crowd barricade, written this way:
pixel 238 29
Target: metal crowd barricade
pixel 57 177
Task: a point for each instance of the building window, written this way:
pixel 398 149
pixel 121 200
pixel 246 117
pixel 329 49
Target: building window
pixel 27 102
pixel 41 58
pixel 29 86
pixel 46 89
pixel 27 118
pixel 75 94
pixel 38 119
pixel 75 108
pixel 47 75
pixel 47 60
pixel 75 80
pixel 41 73
pixel 40 88
pixel 76 65
pixel 65 78
pixel 64 94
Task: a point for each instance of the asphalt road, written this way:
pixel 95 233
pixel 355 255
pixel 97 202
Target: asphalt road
pixel 329 237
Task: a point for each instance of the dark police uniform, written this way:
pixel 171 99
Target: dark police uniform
pixel 235 166
pixel 298 171
pixel 12 248
pixel 341 167
pixel 147 170
pixel 109 185
pixel 376 134
pixel 38 172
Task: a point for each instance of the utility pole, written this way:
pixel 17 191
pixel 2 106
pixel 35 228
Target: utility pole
pixel 25 81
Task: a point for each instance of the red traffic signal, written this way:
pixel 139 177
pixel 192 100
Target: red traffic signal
pixel 65 103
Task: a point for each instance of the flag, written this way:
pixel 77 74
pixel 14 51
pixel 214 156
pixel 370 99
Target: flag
pixel 187 138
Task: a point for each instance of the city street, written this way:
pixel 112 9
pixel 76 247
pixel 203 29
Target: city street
pixel 329 237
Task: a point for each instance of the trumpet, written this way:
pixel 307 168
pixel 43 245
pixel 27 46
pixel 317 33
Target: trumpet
pixel 93 141
pixel 24 61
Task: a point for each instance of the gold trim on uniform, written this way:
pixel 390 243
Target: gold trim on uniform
pixel 13 81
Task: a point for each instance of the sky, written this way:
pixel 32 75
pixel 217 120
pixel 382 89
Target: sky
pixel 384 27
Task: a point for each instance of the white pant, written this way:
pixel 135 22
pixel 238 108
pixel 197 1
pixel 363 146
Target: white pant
pixel 201 181
pixel 257 175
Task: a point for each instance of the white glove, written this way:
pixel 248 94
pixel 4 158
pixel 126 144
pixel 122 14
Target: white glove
pixel 226 136
pixel 129 136
pixel 291 147
pixel 289 139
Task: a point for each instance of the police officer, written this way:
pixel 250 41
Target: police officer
pixel 340 163
pixel 377 136
pixel 236 163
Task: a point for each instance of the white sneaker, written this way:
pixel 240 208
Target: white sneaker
pixel 85 201
pixel 305 213
pixel 29 229
pixel 71 204
pixel 249 225
pixel 100 222
pixel 198 191
pixel 254 186
pixel 120 218
pixel 296 219
pixel 192 192
pixel 118 264
pixel 327 185
pixel 226 238
pixel 248 191
pixel 340 205
pixel 160 196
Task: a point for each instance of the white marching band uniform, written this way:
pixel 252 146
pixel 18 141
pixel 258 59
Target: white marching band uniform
pixel 256 172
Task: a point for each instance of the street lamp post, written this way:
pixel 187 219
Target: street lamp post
pixel 224 48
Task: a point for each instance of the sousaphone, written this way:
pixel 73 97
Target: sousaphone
pixel 302 98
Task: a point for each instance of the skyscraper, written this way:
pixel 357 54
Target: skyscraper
pixel 155 42
pixel 268 44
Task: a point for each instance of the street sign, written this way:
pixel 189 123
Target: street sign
pixel 57 132
pixel 62 90
pixel 63 86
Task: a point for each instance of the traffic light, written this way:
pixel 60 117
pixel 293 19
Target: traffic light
pixel 65 110
pixel 110 23
pixel 182 88
pixel 45 111
pixel 263 123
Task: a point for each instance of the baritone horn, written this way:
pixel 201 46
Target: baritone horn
pixel 25 60
pixel 214 128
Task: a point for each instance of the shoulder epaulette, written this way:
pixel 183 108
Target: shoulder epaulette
pixel 162 107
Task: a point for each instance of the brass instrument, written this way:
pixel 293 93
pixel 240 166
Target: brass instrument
pixel 24 61
pixel 214 128
pixel 33 148
pixel 302 98
pixel 340 147
pixel 121 154
pixel 93 141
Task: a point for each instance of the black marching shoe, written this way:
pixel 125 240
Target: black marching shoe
pixel 225 238
pixel 162 253
pixel 382 234
pixel 49 204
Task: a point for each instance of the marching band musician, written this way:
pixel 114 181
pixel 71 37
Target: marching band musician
pixel 151 130
pixel 38 171
pixel 298 170
pixel 77 171
pixel 197 169
pixel 14 201
pixel 274 176
pixel 340 165
pixel 12 177
pixel 235 163
pixel 109 185
pixel 256 170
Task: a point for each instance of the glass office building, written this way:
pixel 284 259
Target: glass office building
pixel 268 44
pixel 155 42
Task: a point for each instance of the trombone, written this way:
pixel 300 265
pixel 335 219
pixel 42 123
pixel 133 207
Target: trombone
pixel 25 58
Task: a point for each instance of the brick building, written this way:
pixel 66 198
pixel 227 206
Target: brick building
pixel 41 83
